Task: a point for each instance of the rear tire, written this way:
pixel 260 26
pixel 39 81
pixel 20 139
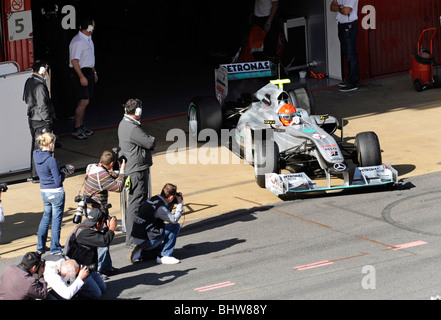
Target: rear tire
pixel 204 113
pixel 368 149
pixel 303 98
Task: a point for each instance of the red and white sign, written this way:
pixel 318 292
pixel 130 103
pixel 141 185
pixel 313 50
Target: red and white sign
pixel 17 5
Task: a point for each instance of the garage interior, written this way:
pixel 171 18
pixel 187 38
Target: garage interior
pixel 173 46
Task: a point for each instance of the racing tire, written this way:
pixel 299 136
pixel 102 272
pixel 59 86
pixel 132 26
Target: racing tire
pixel 204 113
pixel 266 160
pixel 302 98
pixel 368 150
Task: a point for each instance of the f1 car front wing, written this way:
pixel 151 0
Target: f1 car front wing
pixel 282 184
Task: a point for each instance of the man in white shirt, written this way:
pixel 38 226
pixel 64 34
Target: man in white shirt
pixel 82 64
pixel 347 33
pixel 64 276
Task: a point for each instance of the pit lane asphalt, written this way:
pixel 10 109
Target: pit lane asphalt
pixel 406 122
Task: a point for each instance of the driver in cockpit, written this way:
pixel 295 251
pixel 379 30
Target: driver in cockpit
pixel 288 115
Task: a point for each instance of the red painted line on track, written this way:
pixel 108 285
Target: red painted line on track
pixel 287 213
pixel 215 286
pixel 144 121
pixel 407 245
pixel 313 265
pixel 367 239
pixel 326 262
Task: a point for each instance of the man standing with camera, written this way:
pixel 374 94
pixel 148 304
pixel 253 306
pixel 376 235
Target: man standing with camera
pixel 137 146
pixel 149 230
pixel 87 238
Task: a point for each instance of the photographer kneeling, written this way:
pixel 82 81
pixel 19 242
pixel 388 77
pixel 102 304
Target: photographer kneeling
pixel 149 230
pixel 82 246
pixel 64 276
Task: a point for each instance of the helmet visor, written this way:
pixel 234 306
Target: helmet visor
pixel 286 116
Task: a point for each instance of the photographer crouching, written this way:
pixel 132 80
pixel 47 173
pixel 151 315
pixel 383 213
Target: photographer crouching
pixel 64 276
pixel 149 229
pixel 24 281
pixel 82 246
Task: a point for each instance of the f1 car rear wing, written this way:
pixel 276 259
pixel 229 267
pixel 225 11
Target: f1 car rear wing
pixel 282 184
pixel 250 70
pixel 241 71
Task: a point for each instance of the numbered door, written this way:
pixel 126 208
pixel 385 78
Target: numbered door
pixel 18 32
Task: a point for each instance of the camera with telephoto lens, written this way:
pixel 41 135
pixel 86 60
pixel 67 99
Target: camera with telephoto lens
pixel 3 187
pixel 80 209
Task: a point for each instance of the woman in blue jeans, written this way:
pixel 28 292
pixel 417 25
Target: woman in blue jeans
pixel 52 192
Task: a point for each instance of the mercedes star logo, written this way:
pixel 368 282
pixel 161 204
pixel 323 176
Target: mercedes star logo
pixel 339 167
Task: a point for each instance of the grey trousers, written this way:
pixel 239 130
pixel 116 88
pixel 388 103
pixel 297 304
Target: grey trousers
pixel 138 193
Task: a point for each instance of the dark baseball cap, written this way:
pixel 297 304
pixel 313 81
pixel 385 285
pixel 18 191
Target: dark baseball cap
pixel 94 216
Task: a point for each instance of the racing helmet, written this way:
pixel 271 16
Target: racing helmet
pixel 287 113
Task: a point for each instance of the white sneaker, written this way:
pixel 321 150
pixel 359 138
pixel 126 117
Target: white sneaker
pixel 79 134
pixel 167 260
pixel 86 131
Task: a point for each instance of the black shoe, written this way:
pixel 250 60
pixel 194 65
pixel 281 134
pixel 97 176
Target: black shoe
pixel 343 84
pixel 349 88
pixel 42 251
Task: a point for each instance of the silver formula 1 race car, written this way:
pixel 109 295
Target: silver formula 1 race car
pixel 306 148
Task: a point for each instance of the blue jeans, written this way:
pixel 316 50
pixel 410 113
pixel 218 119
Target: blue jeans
pixel 167 240
pixel 347 34
pixel 104 260
pixel 53 203
pixel 93 287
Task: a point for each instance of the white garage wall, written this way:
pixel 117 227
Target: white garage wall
pixel 15 141
pixel 333 44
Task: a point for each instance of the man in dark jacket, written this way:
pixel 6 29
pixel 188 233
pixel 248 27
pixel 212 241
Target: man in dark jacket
pixel 88 237
pixel 40 109
pixel 24 281
pixel 136 145
pixel 149 228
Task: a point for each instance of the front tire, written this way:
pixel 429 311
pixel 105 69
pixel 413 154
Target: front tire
pixel 368 149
